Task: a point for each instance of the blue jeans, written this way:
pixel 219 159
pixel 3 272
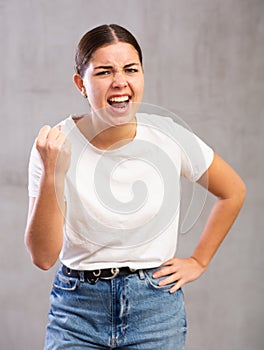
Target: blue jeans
pixel 128 312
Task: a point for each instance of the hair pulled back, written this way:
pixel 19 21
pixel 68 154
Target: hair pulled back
pixel 98 37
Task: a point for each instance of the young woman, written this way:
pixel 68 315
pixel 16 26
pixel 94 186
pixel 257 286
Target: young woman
pixel 104 195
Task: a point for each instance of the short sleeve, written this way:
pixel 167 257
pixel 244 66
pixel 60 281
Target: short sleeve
pixel 196 155
pixel 35 169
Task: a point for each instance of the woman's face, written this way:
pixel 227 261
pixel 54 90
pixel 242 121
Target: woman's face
pixel 114 82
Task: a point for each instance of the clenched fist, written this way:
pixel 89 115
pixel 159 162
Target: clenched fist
pixel 55 150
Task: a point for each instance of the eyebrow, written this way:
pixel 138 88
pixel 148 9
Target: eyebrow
pixel 110 67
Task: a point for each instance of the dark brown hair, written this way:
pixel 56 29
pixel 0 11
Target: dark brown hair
pixel 98 37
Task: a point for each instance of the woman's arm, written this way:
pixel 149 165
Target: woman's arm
pixel 43 236
pixel 222 181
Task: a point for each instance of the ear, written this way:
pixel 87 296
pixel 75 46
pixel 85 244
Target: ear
pixel 78 81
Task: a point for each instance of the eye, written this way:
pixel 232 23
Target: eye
pixel 131 70
pixel 104 72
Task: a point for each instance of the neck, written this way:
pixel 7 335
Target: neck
pixel 103 136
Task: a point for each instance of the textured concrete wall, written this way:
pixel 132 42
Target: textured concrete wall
pixel 204 61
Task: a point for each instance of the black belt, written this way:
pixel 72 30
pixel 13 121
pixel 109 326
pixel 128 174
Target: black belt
pixel 93 276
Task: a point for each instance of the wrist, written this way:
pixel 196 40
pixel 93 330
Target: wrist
pixel 202 263
pixel 51 181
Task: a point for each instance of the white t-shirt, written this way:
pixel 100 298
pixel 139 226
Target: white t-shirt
pixel 122 205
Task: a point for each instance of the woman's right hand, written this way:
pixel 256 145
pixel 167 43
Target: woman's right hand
pixel 55 150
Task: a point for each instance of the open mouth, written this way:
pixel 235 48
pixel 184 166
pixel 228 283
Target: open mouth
pixel 119 102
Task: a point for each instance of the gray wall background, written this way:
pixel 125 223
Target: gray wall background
pixel 204 60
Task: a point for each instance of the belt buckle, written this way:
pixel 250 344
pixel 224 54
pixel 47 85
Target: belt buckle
pixel 114 271
pixel 95 278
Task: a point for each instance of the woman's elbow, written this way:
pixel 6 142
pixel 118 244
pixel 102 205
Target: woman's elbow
pixel 241 192
pixel 239 195
pixel 43 265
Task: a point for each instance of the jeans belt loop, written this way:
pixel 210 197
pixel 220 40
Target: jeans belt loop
pixel 81 275
pixel 141 274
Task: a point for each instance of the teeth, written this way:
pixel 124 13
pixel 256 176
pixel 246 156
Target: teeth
pixel 119 99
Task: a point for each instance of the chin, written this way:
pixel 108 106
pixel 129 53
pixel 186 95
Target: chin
pixel 117 116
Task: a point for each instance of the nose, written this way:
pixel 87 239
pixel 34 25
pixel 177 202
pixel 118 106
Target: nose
pixel 119 80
